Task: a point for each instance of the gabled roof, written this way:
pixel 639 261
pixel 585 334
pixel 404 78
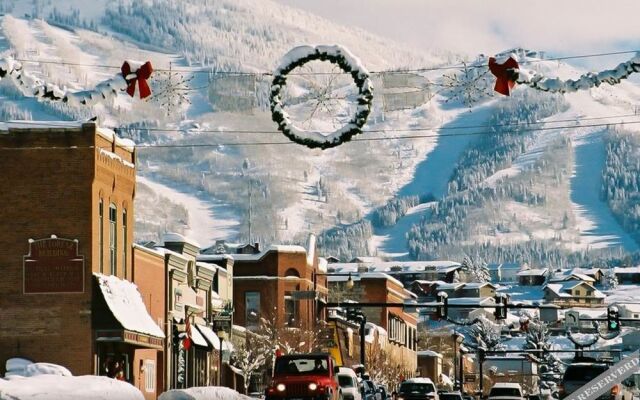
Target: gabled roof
pixel 533 272
pixel 562 289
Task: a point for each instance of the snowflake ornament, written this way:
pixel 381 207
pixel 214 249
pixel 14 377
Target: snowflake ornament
pixel 469 85
pixel 171 89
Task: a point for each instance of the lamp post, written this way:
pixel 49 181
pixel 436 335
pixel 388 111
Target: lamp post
pixel 457 340
pixel 349 285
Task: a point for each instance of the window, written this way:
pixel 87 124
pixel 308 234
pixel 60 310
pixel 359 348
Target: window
pixel 101 236
pixel 252 309
pixel 149 376
pixel 589 292
pixel 290 310
pixel 113 237
pixel 124 242
pixel 577 292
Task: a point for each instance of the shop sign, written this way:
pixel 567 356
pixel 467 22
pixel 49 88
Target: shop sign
pixel 53 266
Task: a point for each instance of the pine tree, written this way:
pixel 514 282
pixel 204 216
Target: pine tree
pixel 548 364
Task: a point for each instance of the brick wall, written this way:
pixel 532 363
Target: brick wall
pixel 48 188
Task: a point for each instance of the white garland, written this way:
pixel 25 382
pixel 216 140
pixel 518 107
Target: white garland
pixel 36 87
pixel 347 62
pixel 586 81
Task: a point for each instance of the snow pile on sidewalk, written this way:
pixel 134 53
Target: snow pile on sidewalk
pixel 203 393
pixel 55 387
pixel 28 380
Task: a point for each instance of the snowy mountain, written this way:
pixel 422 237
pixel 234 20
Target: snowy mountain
pixel 477 177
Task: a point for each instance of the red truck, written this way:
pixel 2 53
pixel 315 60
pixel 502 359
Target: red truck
pixel 304 377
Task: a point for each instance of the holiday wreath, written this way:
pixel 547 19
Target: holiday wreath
pixel 348 63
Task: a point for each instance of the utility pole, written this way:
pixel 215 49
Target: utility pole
pixel 250 193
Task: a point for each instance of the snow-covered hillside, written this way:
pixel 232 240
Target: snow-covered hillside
pixel 521 192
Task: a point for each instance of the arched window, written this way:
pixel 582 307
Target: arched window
pixel 113 238
pixel 125 243
pixel 101 236
pixel 292 272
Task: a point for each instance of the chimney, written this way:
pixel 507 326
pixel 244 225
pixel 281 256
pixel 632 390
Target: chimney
pixel 256 246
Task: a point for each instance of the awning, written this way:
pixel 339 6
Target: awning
pixel 198 339
pixel 210 335
pixel 125 303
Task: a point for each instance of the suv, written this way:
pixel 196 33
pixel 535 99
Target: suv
pixel 309 376
pixel 506 391
pixel 580 373
pixel 348 381
pixel 417 389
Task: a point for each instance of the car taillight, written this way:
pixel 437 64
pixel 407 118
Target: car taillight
pixel 615 390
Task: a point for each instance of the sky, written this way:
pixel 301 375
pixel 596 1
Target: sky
pixel 559 27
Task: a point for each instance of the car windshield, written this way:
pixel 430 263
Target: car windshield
pixel 345 381
pixel 421 388
pixel 301 366
pixel 450 396
pixel 584 373
pixel 511 392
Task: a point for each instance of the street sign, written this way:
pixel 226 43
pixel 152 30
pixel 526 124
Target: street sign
pixel 222 322
pixel 572 319
pixel 303 295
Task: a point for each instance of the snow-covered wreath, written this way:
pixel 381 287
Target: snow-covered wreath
pixel 348 63
pixel 132 74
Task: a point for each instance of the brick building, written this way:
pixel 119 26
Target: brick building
pixel 270 283
pixel 399 325
pixel 65 239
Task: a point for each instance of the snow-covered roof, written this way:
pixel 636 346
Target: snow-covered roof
pixel 627 270
pixel 471 301
pixel 478 285
pixel 125 302
pixel 399 267
pixel 449 286
pixel 533 272
pixel 214 257
pixel 562 289
pixel 357 276
pixel 108 134
pixel 429 353
pixel 273 248
pixel 573 276
pixel 210 335
pixel 173 237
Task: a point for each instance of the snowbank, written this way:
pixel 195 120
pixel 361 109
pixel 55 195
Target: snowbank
pixel 46 369
pixel 203 393
pixel 55 387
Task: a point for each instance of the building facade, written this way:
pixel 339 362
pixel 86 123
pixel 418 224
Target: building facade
pixel 67 232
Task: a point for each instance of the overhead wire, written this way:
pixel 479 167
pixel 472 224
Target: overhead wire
pixel 357 139
pixel 268 73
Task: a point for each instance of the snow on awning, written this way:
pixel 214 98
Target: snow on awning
pixel 198 339
pixel 125 302
pixel 210 335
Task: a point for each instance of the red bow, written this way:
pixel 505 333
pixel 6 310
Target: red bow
pixel 141 75
pixel 504 84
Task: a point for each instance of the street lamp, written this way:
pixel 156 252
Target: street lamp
pixel 349 285
pixel 458 338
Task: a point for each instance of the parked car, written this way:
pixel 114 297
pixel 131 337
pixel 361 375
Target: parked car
pixel 451 396
pixel 348 381
pixel 369 390
pixel 384 392
pixel 418 389
pixel 579 374
pixel 304 375
pixel 506 391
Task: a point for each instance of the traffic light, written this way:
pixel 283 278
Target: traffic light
pixel 613 319
pixel 354 315
pixel 501 307
pixel 442 310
